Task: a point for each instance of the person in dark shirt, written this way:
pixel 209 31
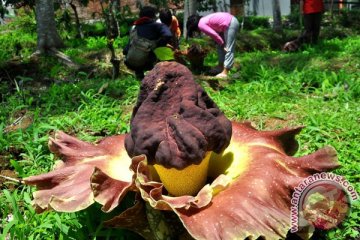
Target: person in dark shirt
pixel 147 27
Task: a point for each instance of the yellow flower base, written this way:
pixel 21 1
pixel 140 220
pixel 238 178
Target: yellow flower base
pixel 187 181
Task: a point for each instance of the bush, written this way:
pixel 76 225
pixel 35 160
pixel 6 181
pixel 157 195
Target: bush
pixel 94 29
pixel 24 21
pixel 350 19
pixel 263 39
pixel 16 43
pixel 254 22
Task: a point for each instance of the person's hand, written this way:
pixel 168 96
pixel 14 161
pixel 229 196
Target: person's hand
pixel 170 46
pixel 226 50
pixel 178 53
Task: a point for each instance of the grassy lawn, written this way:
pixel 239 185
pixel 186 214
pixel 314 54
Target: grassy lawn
pixel 317 87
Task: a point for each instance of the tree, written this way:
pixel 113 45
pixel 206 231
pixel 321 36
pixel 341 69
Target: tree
pixel 48 39
pixel 72 4
pixel 276 15
pixel 237 7
pixel 47 36
pixel 255 6
pixel 190 7
pixel 2 10
pixel 112 31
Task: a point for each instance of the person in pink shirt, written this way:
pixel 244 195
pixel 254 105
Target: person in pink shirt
pixel 222 27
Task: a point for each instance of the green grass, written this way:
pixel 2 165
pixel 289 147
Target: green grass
pixel 318 88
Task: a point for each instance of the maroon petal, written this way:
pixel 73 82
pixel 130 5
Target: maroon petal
pixel 68 188
pixel 252 196
pixel 108 191
pixel 257 202
pixel 64 190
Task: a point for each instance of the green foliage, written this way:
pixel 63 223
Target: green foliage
pixel 96 43
pixel 121 42
pixel 17 41
pixel 254 22
pixel 17 225
pixel 263 39
pixel 23 22
pixel 164 53
pixel 95 29
pixel 349 18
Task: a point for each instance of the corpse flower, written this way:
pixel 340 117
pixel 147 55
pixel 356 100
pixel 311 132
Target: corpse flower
pixel 220 179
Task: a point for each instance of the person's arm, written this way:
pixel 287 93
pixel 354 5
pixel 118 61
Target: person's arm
pixel 205 28
pixel 175 25
pixel 165 35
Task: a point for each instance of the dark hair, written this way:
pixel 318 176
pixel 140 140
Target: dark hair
pixel 165 16
pixel 148 11
pixel 192 25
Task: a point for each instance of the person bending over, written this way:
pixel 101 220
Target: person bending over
pixel 222 27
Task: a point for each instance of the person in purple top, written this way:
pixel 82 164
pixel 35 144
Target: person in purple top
pixel 222 27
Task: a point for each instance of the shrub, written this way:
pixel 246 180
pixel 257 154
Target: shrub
pixel 254 22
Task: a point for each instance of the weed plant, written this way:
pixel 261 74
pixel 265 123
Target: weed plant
pixel 18 38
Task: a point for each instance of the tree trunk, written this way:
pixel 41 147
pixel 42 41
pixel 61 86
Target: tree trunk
pixel 255 6
pixel 80 33
pixel 111 34
pixel 276 15
pixel 2 10
pixel 140 3
pixel 113 11
pixel 237 7
pixel 47 35
pixel 190 7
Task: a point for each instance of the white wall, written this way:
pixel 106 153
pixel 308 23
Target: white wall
pixel 264 7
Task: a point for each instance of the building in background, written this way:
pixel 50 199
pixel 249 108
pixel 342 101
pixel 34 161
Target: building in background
pixel 264 8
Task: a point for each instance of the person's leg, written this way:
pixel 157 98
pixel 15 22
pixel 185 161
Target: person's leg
pixel 139 75
pixel 221 56
pixel 229 38
pixel 311 28
pixel 305 36
pixel 316 21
